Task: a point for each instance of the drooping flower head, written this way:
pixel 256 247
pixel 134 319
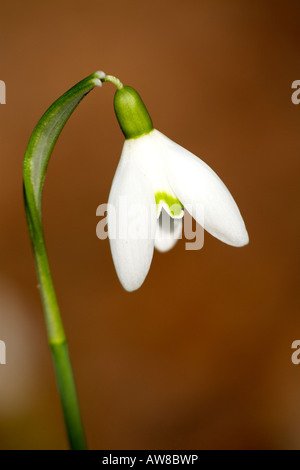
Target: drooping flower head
pixel 156 178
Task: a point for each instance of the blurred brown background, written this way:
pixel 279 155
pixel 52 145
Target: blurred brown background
pixel 204 366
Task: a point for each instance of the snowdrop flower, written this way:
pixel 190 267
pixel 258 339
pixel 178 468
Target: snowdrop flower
pixel 154 175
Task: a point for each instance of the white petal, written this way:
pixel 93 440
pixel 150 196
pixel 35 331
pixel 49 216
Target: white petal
pixel 146 157
pixel 131 218
pixel 168 231
pixel 202 193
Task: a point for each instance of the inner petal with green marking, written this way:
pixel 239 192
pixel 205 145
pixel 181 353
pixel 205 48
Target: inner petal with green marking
pixel 170 203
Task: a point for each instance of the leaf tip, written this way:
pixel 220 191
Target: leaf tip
pixel 98 77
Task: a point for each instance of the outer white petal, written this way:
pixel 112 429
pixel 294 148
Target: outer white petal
pixel 168 231
pixel 131 218
pixel 202 192
pixel 146 157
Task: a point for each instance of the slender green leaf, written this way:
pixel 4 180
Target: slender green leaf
pixel 46 134
pixel 36 160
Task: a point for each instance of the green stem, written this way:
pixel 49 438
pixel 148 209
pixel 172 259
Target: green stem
pixel 59 348
pixel 67 390
pixel 114 80
pixel 35 165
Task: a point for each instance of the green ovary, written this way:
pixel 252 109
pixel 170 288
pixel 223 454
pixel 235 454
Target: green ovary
pixel 173 203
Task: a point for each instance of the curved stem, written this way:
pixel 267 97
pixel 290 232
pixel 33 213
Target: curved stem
pixel 35 165
pixel 60 353
pixel 114 80
pixel 57 339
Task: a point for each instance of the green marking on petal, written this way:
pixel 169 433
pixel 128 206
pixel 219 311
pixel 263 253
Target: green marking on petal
pixel 172 202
